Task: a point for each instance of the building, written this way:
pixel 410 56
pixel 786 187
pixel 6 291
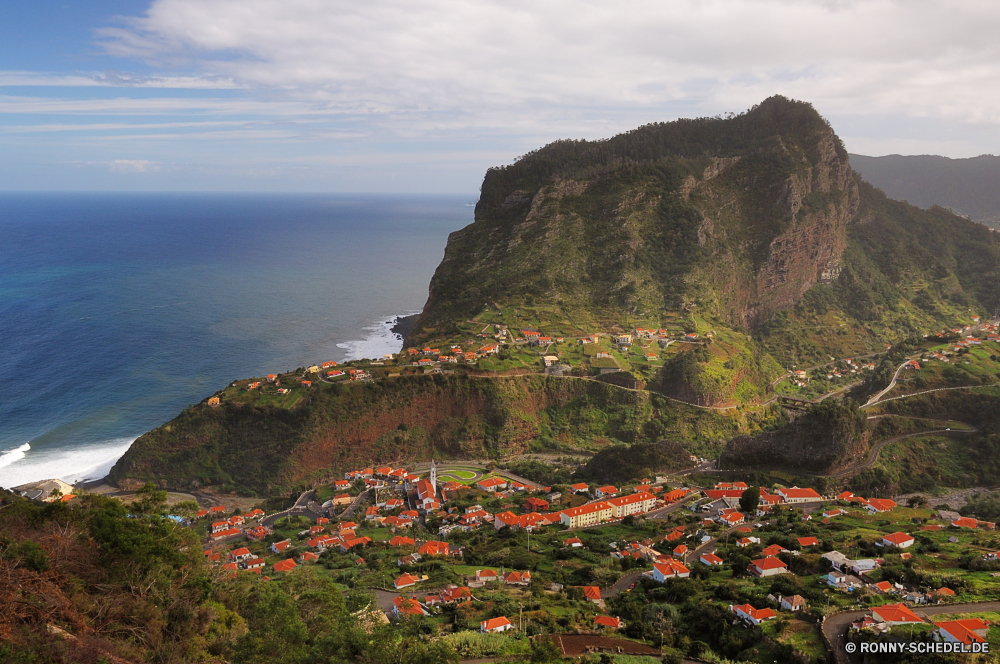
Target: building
pixel 895 614
pixel 767 567
pixel 492 484
pixel 710 559
pixel 901 540
pixel 572 542
pixel 879 505
pixel 284 565
pixel 608 622
pixel 405 606
pixel 405 581
pixel 968 631
pixel 797 495
pixel 603 492
pixel 486 575
pixel 793 603
pixel 500 624
pixel 670 569
pixel 587 515
pixel 808 541
pixel 752 615
pixel 580 487
pixel 533 504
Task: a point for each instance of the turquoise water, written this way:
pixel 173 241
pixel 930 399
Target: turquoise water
pixel 117 310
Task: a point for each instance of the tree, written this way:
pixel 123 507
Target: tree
pixel 750 500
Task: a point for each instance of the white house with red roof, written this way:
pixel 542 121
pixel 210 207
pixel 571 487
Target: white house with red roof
pixel 895 614
pixel 603 492
pixel 751 615
pixel 967 631
pixel 609 622
pixel 797 495
pixel 898 539
pixel 710 559
pixel 500 624
pixel 492 484
pixel 670 569
pixel 767 567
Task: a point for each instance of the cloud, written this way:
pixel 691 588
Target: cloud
pixel 505 58
pixel 133 166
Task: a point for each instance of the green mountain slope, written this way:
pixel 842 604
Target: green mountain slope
pixel 751 232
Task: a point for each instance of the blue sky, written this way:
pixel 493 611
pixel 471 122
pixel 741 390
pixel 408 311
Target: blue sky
pixel 424 95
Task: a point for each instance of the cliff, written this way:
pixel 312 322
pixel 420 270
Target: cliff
pixel 254 447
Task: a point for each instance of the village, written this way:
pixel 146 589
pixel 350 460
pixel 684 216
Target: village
pixel 466 549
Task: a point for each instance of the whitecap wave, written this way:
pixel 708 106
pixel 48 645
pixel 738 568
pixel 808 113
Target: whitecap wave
pixel 10 457
pixel 380 340
pixel 83 462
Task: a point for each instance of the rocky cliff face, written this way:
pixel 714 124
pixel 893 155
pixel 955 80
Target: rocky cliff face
pixel 737 218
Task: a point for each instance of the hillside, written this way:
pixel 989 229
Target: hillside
pixel 700 261
pixel 252 445
pixel 968 186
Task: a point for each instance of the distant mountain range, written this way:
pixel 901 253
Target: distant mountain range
pixel 970 187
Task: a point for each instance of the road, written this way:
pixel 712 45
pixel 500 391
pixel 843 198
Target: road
pixel 938 389
pixel 835 627
pixel 300 508
pixel 873 455
pixel 621 585
pixel 353 506
pixel 892 383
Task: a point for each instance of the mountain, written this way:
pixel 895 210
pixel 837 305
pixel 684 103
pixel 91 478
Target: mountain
pixel 752 235
pixel 970 187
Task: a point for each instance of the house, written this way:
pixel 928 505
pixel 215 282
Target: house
pixel 968 631
pixel 884 587
pixel 864 566
pixel 572 542
pixel 670 569
pixel 744 542
pixel 608 622
pixel 486 575
pixel 399 540
pixel 793 603
pixel 797 495
pixel 254 514
pixel 807 541
pixel 279 547
pixel 240 554
pixel 751 615
pixel 879 505
pixel 406 606
pixel 253 563
pixel 500 624
pixel 605 492
pixel 767 567
pixel 679 551
pixel 533 504
pixel 308 557
pixel 492 484
pixel 901 540
pixel 284 565
pixel 593 593
pixel 411 559
pixel 895 614
pixel 229 532
pixel 433 548
pixel 964 522
pixel 580 487
pixel 732 519
pixel 773 550
pixel 517 578
pixel 405 581
pixel 213 402
pixel 710 559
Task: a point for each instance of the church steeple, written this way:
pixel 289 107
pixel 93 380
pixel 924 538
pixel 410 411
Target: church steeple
pixel 434 477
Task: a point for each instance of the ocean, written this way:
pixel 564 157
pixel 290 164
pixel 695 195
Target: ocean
pixel 118 310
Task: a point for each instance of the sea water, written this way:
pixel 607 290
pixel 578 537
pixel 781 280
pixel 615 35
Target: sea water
pixel 118 310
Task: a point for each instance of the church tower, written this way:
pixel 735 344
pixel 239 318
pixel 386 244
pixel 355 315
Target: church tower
pixel 434 477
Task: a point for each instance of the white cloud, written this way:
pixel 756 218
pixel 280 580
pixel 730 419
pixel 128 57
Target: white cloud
pixel 133 166
pixel 911 57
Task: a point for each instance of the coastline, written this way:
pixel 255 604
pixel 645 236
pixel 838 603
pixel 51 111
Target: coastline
pixel 87 466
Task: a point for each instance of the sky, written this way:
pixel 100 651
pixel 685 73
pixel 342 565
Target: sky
pixel 422 96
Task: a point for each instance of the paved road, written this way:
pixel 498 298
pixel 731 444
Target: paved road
pixel 892 383
pixel 835 627
pixel 873 455
pixel 354 505
pixel 622 584
pixel 939 389
pixel 300 508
